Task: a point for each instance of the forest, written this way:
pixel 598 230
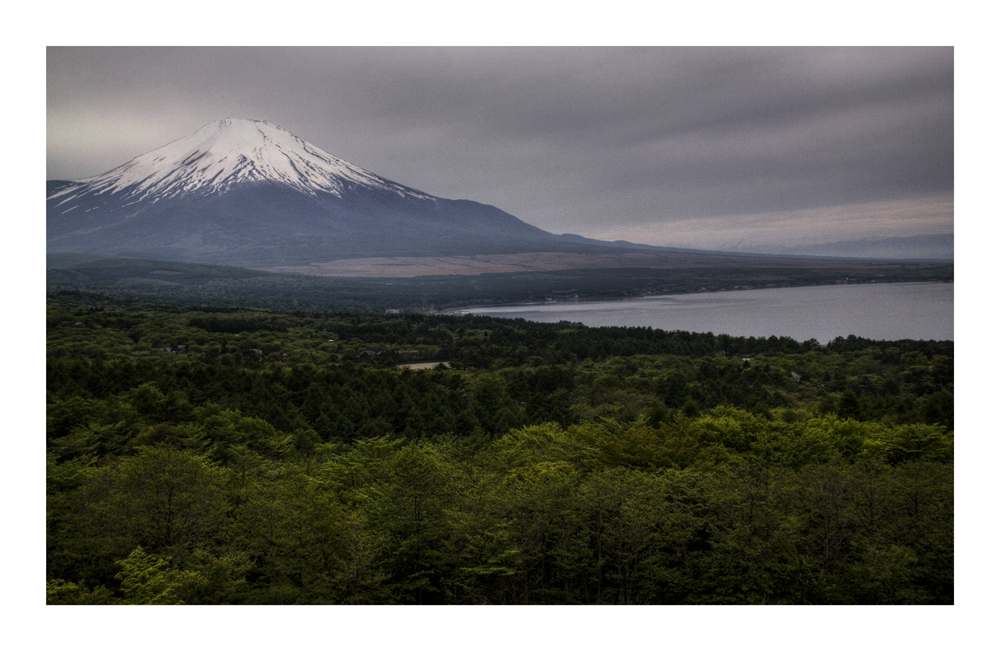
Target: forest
pixel 222 455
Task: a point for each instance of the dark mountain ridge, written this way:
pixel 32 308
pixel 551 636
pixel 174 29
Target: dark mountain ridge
pixel 916 247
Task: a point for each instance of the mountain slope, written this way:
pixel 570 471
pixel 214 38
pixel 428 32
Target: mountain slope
pixel 250 193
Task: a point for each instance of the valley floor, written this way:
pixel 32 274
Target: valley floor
pixel 410 267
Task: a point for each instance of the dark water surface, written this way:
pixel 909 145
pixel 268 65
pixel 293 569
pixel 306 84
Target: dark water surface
pixel 890 311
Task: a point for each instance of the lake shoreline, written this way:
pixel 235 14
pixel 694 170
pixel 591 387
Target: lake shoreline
pixel 462 311
pixel 879 311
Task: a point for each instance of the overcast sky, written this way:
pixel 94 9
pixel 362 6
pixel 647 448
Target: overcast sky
pixel 704 147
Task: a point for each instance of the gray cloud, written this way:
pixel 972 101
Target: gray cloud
pixel 569 139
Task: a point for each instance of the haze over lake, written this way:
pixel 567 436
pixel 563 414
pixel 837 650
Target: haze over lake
pixel 877 311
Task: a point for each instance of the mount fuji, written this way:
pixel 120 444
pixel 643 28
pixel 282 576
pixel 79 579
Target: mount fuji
pixel 249 193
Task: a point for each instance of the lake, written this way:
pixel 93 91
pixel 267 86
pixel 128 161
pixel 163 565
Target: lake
pixel 886 311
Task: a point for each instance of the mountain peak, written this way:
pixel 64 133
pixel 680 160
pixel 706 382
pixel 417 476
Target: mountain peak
pixel 248 192
pixel 242 134
pixel 226 153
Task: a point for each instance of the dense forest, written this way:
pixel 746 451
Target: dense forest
pixel 217 455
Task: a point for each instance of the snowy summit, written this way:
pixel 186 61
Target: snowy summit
pixel 227 153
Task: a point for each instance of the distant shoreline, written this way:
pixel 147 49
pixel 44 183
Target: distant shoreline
pixel 463 311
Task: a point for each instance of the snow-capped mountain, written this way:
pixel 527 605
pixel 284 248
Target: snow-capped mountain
pixel 223 155
pixel 249 193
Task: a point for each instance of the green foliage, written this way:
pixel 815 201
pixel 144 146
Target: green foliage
pixel 65 593
pixel 147 580
pixel 283 458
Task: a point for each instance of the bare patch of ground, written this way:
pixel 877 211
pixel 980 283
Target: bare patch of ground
pixel 423 366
